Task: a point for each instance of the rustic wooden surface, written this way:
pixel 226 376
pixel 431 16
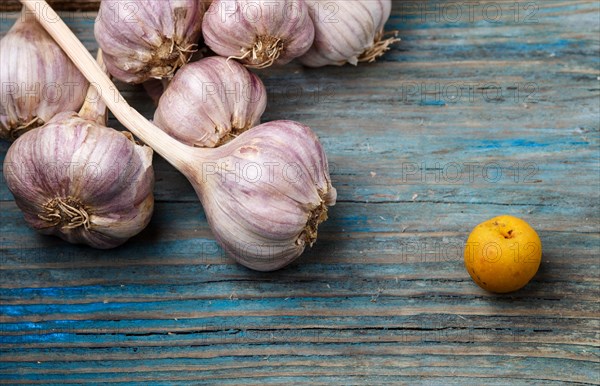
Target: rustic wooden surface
pixel 383 297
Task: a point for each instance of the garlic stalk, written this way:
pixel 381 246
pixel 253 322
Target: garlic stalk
pixel 37 79
pixel 211 101
pixel 81 181
pixel 258 33
pixel 348 32
pixel 145 39
pixel 264 193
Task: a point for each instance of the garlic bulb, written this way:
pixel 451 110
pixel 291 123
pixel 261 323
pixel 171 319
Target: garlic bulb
pixel 259 33
pixel 348 32
pixel 37 79
pixel 265 193
pixel 210 102
pixel 81 181
pixel 144 39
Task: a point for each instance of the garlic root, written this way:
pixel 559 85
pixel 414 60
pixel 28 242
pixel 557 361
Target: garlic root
pixel 66 213
pixel 264 53
pixel 380 47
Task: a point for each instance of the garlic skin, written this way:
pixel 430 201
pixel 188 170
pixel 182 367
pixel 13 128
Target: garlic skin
pixel 211 101
pixel 37 78
pixel 81 181
pixel 265 193
pixel 259 33
pixel 348 32
pixel 144 39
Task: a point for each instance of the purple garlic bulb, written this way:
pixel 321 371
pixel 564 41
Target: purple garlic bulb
pixel 348 32
pixel 37 79
pixel 211 101
pixel 145 39
pixel 259 33
pixel 81 181
pixel 265 193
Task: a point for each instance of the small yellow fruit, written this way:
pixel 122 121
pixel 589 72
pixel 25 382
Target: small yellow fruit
pixel 503 254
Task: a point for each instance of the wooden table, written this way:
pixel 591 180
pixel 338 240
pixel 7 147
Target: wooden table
pixel 471 116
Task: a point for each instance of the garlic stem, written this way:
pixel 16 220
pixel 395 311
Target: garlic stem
pixel 94 108
pixel 173 151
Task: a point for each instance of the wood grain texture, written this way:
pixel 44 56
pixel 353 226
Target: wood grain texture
pixel 471 116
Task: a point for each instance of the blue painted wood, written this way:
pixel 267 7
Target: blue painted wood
pixel 462 121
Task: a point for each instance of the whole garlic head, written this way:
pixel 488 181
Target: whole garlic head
pixel 145 39
pixel 210 102
pixel 37 79
pixel 81 181
pixel 259 33
pixel 348 32
pixel 265 193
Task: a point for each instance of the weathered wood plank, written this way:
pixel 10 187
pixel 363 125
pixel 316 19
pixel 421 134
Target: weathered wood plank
pixel 514 371
pixel 416 144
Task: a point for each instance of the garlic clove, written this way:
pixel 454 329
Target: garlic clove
pixel 353 33
pixel 211 101
pixel 81 181
pixel 145 39
pixel 259 33
pixel 266 193
pixel 38 80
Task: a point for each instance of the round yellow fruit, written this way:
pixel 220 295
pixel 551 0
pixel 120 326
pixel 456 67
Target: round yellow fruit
pixel 503 254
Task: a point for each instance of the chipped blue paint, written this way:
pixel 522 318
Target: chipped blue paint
pixel 433 103
pixel 526 143
pixel 38 338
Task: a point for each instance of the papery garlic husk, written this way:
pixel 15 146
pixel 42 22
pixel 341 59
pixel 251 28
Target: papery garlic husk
pixel 259 33
pixel 81 181
pixel 211 101
pixel 348 32
pixel 265 193
pixel 144 39
pixel 37 79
